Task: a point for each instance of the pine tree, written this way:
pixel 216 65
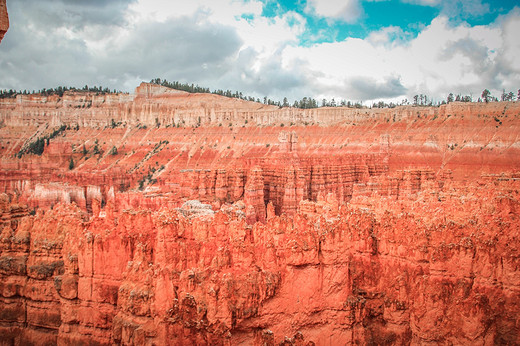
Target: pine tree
pixel 486 95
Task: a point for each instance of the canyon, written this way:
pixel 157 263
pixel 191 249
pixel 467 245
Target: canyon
pixel 166 217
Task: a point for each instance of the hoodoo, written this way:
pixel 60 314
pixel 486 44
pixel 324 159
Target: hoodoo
pixel 171 217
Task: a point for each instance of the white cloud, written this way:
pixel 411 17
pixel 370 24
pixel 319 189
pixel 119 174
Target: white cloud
pixel 424 2
pixel 510 54
pixel 390 35
pixel 256 66
pixel 267 35
pixel 212 44
pixel 443 58
pixel 463 9
pixel 218 11
pixel 264 35
pixel 346 10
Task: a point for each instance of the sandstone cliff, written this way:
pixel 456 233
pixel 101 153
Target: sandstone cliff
pixel 185 218
pixel 156 106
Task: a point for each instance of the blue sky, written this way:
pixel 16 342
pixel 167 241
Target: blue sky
pixel 352 49
pixel 409 16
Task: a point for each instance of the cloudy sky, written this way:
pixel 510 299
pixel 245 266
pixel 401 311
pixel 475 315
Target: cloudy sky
pixel 358 50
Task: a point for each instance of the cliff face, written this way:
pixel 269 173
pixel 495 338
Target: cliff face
pixel 4 19
pixel 387 226
pixel 157 106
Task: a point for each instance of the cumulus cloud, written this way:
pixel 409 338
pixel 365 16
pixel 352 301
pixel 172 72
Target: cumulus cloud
pixel 270 76
pixel 363 88
pixel 184 48
pixel 346 10
pixel 74 14
pixel 460 9
pixel 228 44
pixel 390 35
pixel 443 58
pixel 509 57
pixel 177 47
pixel 464 8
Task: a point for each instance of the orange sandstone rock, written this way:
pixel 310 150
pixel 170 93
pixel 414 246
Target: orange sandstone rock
pixel 157 276
pixel 383 226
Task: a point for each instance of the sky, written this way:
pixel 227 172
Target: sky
pixel 358 50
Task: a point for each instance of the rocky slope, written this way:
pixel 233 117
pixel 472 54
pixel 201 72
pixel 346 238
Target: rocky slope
pixel 197 219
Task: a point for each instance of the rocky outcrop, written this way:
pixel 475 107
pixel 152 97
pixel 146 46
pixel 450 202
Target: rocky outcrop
pixel 4 19
pixel 347 276
pixel 387 226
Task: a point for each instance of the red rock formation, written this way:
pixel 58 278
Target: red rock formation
pixel 4 19
pixel 155 276
pixel 384 226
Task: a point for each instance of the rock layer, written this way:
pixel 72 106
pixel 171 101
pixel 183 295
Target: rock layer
pixel 156 106
pixel 387 226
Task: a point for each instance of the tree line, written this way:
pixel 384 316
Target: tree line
pixel 304 103
pixel 99 90
pixel 309 102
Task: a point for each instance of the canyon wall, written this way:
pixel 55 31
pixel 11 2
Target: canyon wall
pixel 166 217
pixel 156 106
